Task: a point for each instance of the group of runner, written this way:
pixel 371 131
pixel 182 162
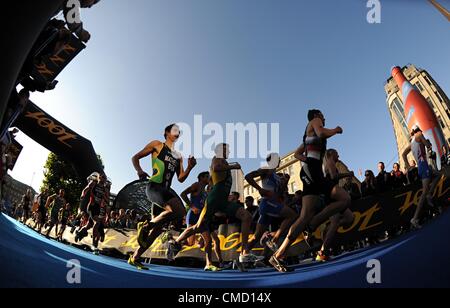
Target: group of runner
pixel 322 200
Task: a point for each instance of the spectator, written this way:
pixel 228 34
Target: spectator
pixel 368 187
pixel 296 202
pixel 253 210
pixel 235 197
pixel 445 158
pixel 250 205
pixel 352 188
pixel 431 159
pixel 122 219
pixel 413 173
pixel 398 177
pixel 383 179
pixel 132 220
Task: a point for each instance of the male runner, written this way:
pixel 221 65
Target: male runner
pixel 418 147
pixel 272 202
pixel 98 200
pixel 310 153
pixel 166 163
pixel 42 210
pixel 197 193
pixel 217 202
pixel 54 204
pixel 64 214
pixel 345 217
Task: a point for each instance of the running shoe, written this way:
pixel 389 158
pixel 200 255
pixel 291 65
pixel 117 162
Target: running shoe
pixel 137 264
pixel 173 249
pixel 322 257
pixel 238 265
pixel 212 268
pixel 267 240
pixel 278 264
pixel 226 265
pixel 250 258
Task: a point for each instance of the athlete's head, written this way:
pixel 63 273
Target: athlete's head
pixel 314 113
pixel 172 132
pixel 332 154
pixel 273 160
pixel 415 129
pixel 62 192
pixel 222 150
pixel 249 201
pixel 234 197
pixel 203 178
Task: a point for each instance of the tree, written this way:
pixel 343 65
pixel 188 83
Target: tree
pixel 60 174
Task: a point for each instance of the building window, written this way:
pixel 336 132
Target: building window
pixel 438 96
pixel 397 106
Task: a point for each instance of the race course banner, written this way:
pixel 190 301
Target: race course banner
pixel 373 216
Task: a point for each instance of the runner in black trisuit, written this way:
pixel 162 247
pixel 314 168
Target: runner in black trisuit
pixel 310 153
pixel 332 175
pixel 166 163
pixel 98 201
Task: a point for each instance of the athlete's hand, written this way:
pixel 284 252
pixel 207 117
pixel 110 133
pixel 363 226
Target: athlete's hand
pixel 192 162
pixel 142 175
pixel 339 130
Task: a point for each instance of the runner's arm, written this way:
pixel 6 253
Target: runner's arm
pixel 220 165
pixel 184 174
pixel 405 157
pixel 323 132
pixel 148 150
pixel 186 192
pixel 250 178
pixel 299 153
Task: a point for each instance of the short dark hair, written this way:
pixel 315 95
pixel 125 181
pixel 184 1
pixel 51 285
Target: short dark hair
pixel 168 129
pixel 236 194
pixel 312 114
pixel 381 163
pixel 202 175
pixel 249 198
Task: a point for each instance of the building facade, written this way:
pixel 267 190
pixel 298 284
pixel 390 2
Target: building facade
pixel 13 190
pixel 432 92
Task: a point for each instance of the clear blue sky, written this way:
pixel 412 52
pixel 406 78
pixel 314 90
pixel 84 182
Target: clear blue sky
pixel 153 62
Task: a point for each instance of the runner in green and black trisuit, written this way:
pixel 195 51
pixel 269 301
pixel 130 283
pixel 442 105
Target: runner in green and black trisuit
pixel 166 163
pixel 54 204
